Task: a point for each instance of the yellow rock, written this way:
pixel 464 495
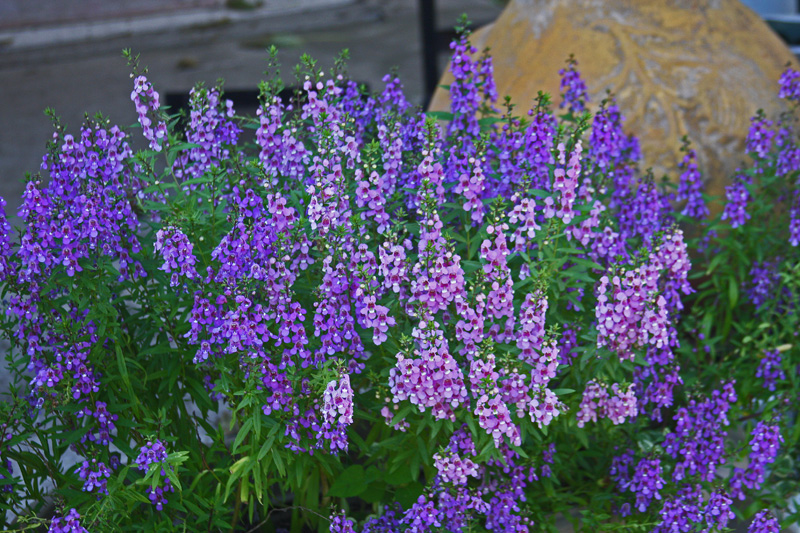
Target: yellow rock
pixel 677 67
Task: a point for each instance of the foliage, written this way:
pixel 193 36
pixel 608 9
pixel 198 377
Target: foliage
pixel 463 321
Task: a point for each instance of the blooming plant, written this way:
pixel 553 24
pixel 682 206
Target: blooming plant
pixel 465 321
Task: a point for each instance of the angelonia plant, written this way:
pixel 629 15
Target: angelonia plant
pixel 344 314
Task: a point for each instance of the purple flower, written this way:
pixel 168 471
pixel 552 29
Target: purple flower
pixel 573 89
pixel 764 522
pixel 681 512
pixel 95 476
pixel 388 522
pixel 70 523
pixel 151 453
pixel 794 220
pixel 6 268
pixel 646 482
pixel 422 516
pixel 472 84
pixel 769 369
pixel 145 98
pixel 341 524
pixel 764 447
pixel 212 129
pixel 607 142
pixel 453 469
pixel 494 417
pixel 103 421
pixel 698 441
pixel 759 138
pixel 738 197
pixel 789 85
pixel 616 405
pixel 6 468
pixel 565 180
pixel 531 326
pixel 718 510
pixel 690 187
pixel 282 153
pixel 155 453
pixel 471 187
pixel 765 277
pixel 338 402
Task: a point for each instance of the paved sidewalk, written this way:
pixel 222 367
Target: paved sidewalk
pixel 186 15
pixel 35 13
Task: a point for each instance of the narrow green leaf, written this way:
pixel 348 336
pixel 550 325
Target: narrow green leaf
pixel 243 432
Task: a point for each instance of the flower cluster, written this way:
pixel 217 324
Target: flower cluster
pixel 646 483
pixel 616 405
pixel 608 140
pixel 690 186
pixel 764 522
pixel 176 251
pixel 95 476
pixel 69 523
pixel 718 510
pixel 764 279
pixel 764 447
pixel 698 439
pixel 145 98
pixel 101 423
pixel 738 197
pixel 789 85
pixel 628 315
pixel 337 411
pixel 573 89
pixel 770 369
pixel 341 524
pixel 454 469
pixel 154 453
pixel 431 379
pixel 565 180
pixel 759 138
pixel 212 129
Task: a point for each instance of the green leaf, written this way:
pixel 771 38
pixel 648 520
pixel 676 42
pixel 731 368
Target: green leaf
pixel 440 115
pixel 488 121
pixel 237 467
pixel 402 413
pixel 580 434
pixel 351 482
pixel 400 476
pixel 126 380
pixel 375 492
pixel 733 292
pixel 243 431
pixel 276 457
pixel 408 495
pixel 267 446
pixel 173 477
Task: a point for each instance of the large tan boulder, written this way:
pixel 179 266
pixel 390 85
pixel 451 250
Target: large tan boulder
pixel 677 67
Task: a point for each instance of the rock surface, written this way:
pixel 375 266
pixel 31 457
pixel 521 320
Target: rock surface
pixel 677 67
